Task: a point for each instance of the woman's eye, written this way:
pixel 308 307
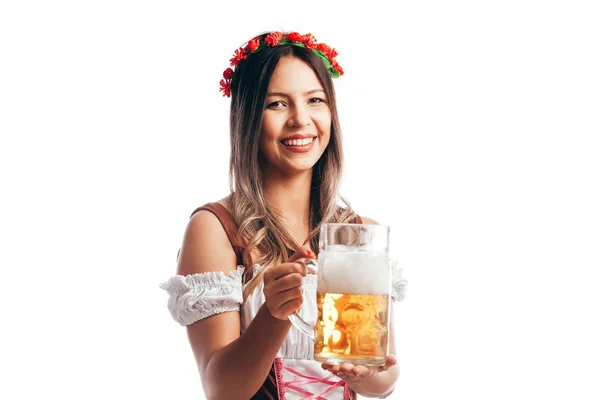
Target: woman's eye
pixel 276 104
pixel 316 100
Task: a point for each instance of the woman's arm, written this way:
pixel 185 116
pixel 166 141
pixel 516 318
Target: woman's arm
pixel 233 366
pixel 222 355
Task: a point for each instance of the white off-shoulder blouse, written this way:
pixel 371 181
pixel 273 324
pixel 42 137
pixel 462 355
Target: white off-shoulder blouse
pixel 198 296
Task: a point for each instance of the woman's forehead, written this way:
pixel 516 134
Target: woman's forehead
pixel 294 75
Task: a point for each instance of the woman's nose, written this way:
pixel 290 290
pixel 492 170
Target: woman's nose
pixel 300 117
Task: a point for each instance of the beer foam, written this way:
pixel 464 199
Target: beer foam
pixel 354 272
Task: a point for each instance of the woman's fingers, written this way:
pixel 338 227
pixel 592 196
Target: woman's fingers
pixel 283 285
pixel 287 296
pixel 346 367
pixel 331 368
pixel 275 273
pixel 290 306
pixel 287 282
pixel 350 371
pixel 389 362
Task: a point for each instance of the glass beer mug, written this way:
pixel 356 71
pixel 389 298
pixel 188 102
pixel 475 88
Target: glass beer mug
pixel 353 295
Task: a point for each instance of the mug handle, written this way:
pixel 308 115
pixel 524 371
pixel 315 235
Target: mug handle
pixel 295 318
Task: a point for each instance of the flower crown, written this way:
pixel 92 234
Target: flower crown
pixel 326 53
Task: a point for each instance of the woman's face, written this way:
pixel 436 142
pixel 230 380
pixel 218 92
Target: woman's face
pixel 296 120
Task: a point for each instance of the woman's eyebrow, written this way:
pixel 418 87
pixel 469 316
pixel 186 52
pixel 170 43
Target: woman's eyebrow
pixel 304 94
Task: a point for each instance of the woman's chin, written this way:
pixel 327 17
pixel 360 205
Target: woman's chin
pixel 299 166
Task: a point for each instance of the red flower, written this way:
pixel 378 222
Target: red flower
pixel 228 73
pixel 239 55
pixel 226 87
pixel 253 44
pixel 309 41
pixel 323 48
pixel 294 37
pixel 337 66
pixel 328 51
pixel 273 38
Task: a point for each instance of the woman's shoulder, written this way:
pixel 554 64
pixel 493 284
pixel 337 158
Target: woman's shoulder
pixel 359 218
pixel 213 207
pixel 206 245
pixel 368 221
pixel 345 212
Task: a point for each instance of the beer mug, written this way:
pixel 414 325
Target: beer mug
pixel 353 295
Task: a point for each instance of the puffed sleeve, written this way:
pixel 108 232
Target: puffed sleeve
pixel 198 296
pixel 398 282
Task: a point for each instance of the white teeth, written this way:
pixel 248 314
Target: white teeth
pixel 298 142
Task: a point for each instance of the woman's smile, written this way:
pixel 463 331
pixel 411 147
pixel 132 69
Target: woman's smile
pixel 299 143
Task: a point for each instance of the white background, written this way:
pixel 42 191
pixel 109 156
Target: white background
pixel 471 128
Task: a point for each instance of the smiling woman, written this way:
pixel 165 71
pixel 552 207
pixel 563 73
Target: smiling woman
pixel 238 276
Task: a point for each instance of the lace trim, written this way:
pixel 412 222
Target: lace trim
pixel 399 284
pixel 347 392
pixel 278 366
pixel 182 283
pixel 197 296
pixel 256 268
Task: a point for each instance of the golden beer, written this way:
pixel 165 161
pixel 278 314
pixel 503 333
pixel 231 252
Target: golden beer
pixel 352 327
pixel 352 295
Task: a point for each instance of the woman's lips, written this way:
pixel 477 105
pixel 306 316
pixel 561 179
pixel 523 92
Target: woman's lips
pixel 298 147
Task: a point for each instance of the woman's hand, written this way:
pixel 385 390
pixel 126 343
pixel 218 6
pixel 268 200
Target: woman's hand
pixel 283 285
pixel 353 373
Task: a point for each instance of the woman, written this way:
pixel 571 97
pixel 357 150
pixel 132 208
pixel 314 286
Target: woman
pixel 237 280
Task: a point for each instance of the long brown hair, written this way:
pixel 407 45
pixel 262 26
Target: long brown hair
pixel 258 224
